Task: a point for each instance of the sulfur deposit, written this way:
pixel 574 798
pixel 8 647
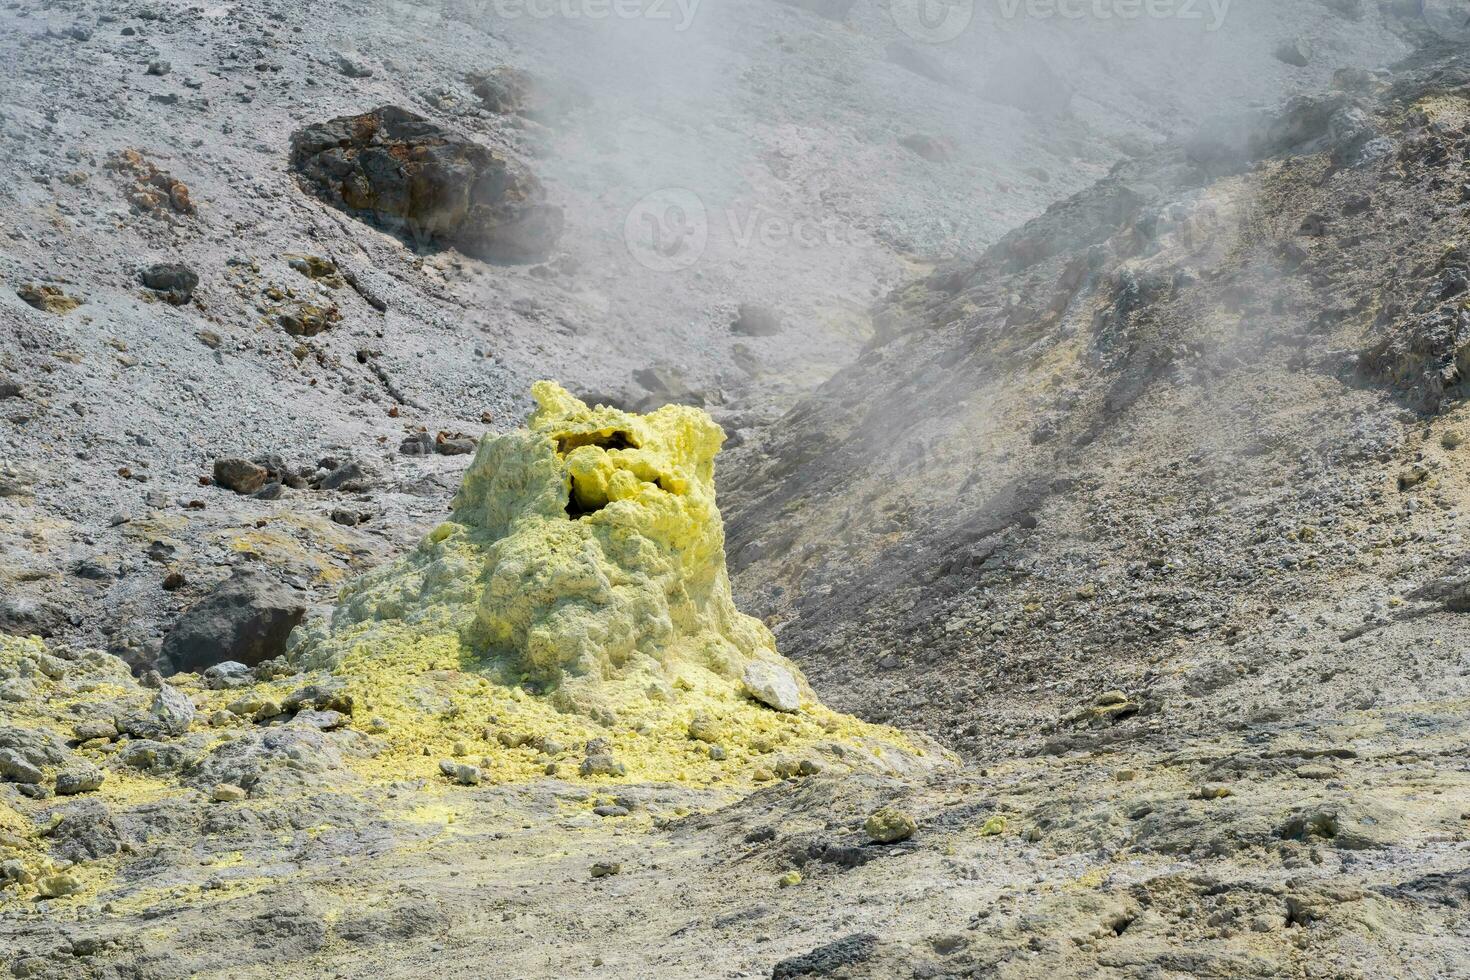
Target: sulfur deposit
pixel 585 558
pixel 572 619
pixel 579 591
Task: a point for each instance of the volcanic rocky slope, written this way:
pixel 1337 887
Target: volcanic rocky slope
pixel 1190 420
pixel 1152 511
pixel 232 332
pixel 1175 469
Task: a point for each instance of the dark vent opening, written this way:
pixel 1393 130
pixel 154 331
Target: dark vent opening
pixel 575 510
pixel 617 439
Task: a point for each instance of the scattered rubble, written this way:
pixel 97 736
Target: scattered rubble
pixel 149 190
pixel 48 299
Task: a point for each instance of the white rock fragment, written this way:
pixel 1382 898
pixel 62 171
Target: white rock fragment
pixel 772 686
pixel 228 793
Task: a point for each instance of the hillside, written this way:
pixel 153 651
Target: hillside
pixel 1011 525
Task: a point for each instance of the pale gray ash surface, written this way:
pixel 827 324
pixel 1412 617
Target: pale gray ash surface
pixel 1096 402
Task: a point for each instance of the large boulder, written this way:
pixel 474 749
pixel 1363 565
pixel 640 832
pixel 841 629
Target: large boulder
pixel 174 281
pixel 24 752
pixel 247 619
pixel 22 615
pixel 421 180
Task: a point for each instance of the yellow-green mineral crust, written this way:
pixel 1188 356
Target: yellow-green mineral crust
pixel 584 550
pixel 572 619
pixel 582 575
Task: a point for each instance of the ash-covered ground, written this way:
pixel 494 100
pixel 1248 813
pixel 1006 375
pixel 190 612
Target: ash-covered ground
pixel 1094 399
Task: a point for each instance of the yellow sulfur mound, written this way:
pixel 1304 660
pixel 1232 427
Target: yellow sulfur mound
pixel 573 619
pixel 613 564
pixel 580 587
pixel 584 551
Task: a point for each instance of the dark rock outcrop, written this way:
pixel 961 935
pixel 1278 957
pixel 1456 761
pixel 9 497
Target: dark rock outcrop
pixel 247 619
pixel 829 959
pixel 754 320
pixel 174 280
pixel 29 616
pixel 239 475
pixel 427 183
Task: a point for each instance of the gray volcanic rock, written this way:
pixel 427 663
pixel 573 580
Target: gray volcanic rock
pixel 26 615
pixel 418 178
pixel 24 752
pixel 174 280
pixel 246 620
pixel 773 686
pixel 239 475
pixel 170 714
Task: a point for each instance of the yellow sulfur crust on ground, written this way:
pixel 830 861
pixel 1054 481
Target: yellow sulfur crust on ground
pixel 573 619
pixel 579 591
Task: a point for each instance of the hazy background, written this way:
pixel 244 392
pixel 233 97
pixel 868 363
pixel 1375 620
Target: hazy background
pixel 837 158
